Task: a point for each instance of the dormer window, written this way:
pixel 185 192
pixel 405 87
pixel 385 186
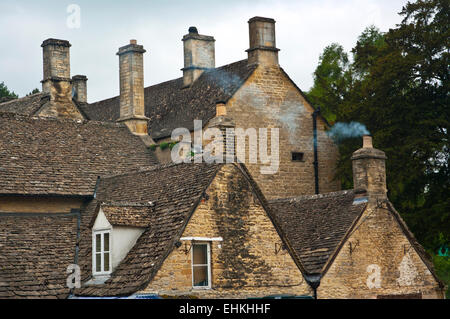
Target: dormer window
pixel 101 252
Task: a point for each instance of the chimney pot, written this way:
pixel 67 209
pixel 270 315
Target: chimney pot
pixel 367 141
pixel 221 109
pixel 133 42
pixel 193 30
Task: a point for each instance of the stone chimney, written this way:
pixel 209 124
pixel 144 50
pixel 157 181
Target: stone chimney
pixel 263 48
pixel 79 88
pixel 199 55
pixel 56 82
pixel 132 109
pixel 369 171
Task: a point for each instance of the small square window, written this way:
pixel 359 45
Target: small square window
pixel 297 157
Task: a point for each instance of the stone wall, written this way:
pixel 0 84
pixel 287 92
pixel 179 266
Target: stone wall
pixel 270 100
pixel 249 262
pixel 38 204
pixel 377 260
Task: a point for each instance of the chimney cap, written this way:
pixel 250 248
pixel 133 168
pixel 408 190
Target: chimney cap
pixel 80 78
pixel 193 30
pixel 51 41
pixel 261 19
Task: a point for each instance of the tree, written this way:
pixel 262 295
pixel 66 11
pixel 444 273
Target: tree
pixel 5 94
pixel 332 81
pixel 35 91
pixel 402 96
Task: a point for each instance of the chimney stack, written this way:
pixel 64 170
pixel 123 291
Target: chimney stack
pixel 199 55
pixel 79 84
pixel 369 171
pixel 263 48
pixel 57 83
pixel 132 109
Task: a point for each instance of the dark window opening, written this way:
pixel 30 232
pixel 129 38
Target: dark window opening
pixel 297 157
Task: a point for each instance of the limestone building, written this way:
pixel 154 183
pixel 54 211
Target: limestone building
pixel 90 186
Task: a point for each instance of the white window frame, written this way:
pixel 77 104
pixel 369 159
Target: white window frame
pixel 208 254
pixel 102 252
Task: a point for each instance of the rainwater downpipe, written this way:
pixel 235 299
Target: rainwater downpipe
pixel 316 157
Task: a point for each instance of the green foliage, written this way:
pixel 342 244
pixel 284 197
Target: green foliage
pixel 442 267
pixel 6 93
pixel 163 145
pixel 397 85
pixel 332 79
pixel 35 91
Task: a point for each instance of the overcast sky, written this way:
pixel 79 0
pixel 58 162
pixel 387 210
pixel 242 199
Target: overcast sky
pixel 303 29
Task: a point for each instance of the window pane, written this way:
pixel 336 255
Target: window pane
pixel 98 262
pixel 200 254
pixel 106 242
pixel 106 261
pixel 98 243
pixel 200 276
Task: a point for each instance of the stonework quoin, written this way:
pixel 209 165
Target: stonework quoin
pixel 369 170
pixel 262 41
pixel 79 84
pixel 132 110
pixel 199 55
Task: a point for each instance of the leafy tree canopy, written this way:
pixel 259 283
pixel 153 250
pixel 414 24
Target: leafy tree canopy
pixel 5 93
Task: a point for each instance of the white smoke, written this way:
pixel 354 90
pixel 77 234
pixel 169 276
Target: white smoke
pixel 341 131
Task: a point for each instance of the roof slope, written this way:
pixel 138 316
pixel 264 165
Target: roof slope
pixel 127 214
pixel 27 105
pixel 35 253
pixel 169 105
pixel 64 157
pixel 315 225
pixel 175 191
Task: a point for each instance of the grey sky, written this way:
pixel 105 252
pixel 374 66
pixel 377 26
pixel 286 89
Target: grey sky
pixel 304 28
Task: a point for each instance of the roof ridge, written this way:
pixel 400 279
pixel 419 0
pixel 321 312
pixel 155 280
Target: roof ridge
pixel 18 116
pixel 114 203
pixel 315 196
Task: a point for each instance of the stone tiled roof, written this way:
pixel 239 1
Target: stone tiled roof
pixel 64 157
pixel 35 251
pixel 169 105
pixel 27 105
pixel 175 191
pixel 128 214
pixel 316 224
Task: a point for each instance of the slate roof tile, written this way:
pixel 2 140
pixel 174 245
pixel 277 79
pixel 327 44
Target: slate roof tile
pixel 316 224
pixel 64 157
pixel 35 251
pixel 169 105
